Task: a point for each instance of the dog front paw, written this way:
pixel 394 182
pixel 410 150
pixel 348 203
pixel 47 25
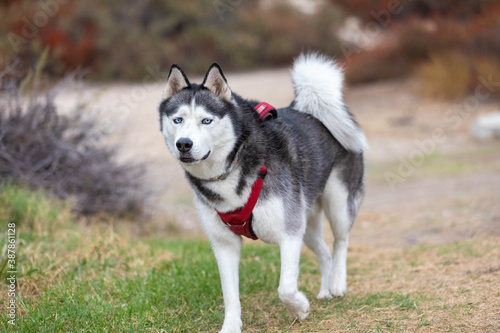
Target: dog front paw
pixel 231 326
pixel 297 303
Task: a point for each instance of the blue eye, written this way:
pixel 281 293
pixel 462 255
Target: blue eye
pixel 206 121
pixel 177 120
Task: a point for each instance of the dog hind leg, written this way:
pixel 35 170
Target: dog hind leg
pixel 335 204
pixel 313 239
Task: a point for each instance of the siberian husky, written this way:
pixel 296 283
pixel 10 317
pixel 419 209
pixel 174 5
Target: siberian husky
pixel 313 153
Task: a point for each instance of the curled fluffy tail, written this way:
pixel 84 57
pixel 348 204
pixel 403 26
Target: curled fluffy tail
pixel 318 89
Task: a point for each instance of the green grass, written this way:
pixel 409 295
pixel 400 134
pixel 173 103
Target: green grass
pixel 83 277
pixel 178 295
pixel 170 295
pixel 28 208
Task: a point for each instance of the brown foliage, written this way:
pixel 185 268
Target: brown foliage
pixel 118 39
pixel 451 9
pixel 407 44
pixel 452 75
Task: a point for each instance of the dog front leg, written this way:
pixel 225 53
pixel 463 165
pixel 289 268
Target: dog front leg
pixel 289 294
pixel 227 253
pixel 226 246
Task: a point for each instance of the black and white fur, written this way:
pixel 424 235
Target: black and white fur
pixel 314 156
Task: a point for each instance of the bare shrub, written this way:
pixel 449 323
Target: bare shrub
pixel 63 153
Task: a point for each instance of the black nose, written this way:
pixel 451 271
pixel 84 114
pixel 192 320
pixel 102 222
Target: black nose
pixel 184 145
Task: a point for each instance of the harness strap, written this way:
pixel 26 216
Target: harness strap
pixel 266 111
pixel 240 220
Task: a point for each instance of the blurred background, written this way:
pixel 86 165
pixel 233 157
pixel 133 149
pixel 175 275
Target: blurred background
pixel 81 82
pixel 118 40
pixel 100 205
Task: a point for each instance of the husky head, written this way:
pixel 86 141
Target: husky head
pixel 197 121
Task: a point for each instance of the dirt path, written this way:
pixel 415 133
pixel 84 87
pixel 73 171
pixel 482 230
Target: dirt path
pixel 450 193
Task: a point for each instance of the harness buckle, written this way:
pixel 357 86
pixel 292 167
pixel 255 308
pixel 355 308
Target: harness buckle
pixel 239 225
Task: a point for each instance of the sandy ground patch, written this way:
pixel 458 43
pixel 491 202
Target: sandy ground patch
pixel 451 194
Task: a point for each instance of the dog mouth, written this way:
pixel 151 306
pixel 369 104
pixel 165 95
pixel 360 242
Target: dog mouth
pixel 190 160
pixel 206 156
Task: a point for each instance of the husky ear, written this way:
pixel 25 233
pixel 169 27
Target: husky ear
pixel 217 83
pixel 176 81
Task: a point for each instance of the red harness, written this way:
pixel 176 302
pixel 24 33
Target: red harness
pixel 240 220
pixel 266 111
